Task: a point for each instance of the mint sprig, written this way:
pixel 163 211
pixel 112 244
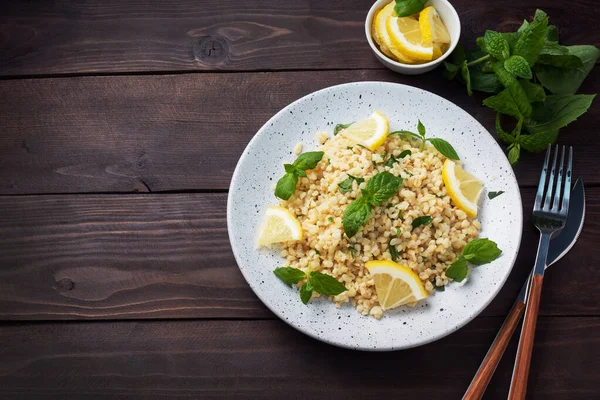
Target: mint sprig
pixel 286 186
pixel 378 189
pixel 440 144
pixel 346 185
pixel 478 251
pixel 314 282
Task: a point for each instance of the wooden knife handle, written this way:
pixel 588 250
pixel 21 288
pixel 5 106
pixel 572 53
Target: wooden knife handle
pixel 518 385
pixel 494 355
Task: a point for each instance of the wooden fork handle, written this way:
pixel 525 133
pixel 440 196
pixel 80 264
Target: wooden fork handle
pixel 518 385
pixel 494 355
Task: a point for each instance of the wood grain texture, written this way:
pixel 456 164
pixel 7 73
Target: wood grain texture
pixel 186 132
pixel 270 360
pixel 489 364
pixel 168 256
pixel 58 37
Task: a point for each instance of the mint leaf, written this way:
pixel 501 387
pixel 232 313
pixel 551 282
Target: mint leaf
pixel 355 215
pixel 464 71
pixel 306 292
pixel 558 111
pixel 504 136
pixel 567 81
pixel 458 270
pixel 444 147
pixel 423 220
pixel 339 127
pixel 504 103
pixel 393 251
pixel 451 70
pixel 289 275
pixel 406 8
pixel 493 195
pixel 286 186
pixel 381 187
pixel 392 160
pixel 518 66
pixel 552 33
pixel 421 128
pixel 326 284
pixel 308 160
pixel 559 56
pixel 532 37
pixel 346 185
pixel 481 251
pixel 514 153
pixel 516 92
pixel 496 45
pixel 512 38
pixel 484 82
pixel 538 141
pixel 533 91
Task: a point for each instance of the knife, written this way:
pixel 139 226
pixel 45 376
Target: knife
pixel 559 246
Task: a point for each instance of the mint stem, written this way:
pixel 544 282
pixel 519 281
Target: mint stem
pixel 479 60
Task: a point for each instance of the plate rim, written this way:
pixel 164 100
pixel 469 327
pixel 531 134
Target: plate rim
pixel 447 332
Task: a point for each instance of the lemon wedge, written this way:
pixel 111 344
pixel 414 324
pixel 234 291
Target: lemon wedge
pixel 280 225
pixel 432 26
pixel 370 132
pixel 405 35
pixel 437 51
pixel 464 189
pixel 381 31
pixel 395 284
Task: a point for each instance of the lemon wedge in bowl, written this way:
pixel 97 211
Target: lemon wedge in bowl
pixel 432 26
pixel 464 189
pixel 382 37
pixel 406 37
pixel 280 225
pixel 370 132
pixel 395 284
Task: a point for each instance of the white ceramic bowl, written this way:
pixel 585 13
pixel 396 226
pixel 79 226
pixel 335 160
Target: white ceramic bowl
pixel 451 20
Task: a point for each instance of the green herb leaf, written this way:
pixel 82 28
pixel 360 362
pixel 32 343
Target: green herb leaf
pixel 514 89
pixel 403 132
pixel 289 275
pixel 532 38
pixel 538 141
pixel 493 195
pixel 458 270
pixel 514 153
pixel 421 129
pixel 444 147
pixel 512 38
pixel 559 56
pixel 330 219
pixel 308 160
pixel 423 220
pixel 355 215
pixel 484 82
pixel 518 66
pixel 451 70
pixel 352 250
pixel 306 292
pixel 286 186
pixel 558 111
pixel 406 8
pixel 504 103
pixel 533 91
pixel 392 160
pixel 381 187
pixel 552 33
pixel 439 288
pixel 464 70
pixel 504 136
pixel 393 251
pixel 346 185
pixel 339 127
pixel 567 81
pixel 496 45
pixel 325 284
pixel 481 251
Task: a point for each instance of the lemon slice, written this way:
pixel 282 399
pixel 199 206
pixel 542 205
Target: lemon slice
pixel 386 45
pixel 384 49
pixel 464 189
pixel 405 35
pixel 432 26
pixel 395 284
pixel 437 51
pixel 280 225
pixel 370 132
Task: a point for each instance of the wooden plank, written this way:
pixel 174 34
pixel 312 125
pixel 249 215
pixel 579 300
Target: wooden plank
pixel 270 360
pixel 182 132
pixel 168 256
pixel 63 37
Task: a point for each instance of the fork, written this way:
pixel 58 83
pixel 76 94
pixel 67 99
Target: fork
pixel 549 216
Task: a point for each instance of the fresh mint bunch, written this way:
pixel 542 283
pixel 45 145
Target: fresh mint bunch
pixel 314 281
pixel 478 252
pixel 440 144
pixel 378 189
pixel 286 186
pixel 534 80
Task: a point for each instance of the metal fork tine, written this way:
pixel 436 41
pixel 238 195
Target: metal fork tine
pixel 551 182
pixel 557 192
pixel 567 190
pixel 541 185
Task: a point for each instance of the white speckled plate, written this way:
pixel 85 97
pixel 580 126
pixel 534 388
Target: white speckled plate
pixel 261 165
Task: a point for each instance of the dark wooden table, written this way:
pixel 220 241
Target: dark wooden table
pixel 120 126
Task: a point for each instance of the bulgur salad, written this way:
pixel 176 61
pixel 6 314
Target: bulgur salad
pixel 376 218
